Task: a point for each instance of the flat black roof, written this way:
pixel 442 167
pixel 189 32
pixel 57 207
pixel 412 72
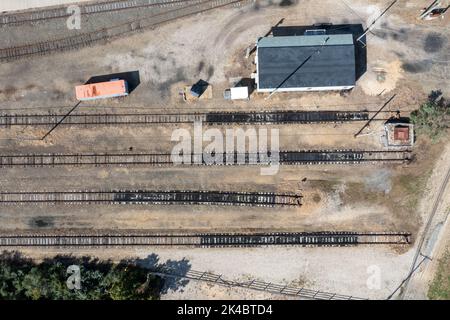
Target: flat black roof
pixel 301 62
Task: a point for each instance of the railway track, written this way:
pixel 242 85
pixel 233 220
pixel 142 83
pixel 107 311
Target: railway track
pixel 206 240
pixel 18 18
pixel 105 34
pixel 426 235
pixel 152 197
pixel 148 159
pixel 212 118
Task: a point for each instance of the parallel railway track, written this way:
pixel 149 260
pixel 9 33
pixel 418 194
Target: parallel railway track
pixel 17 18
pixel 206 240
pixel 148 159
pixel 106 34
pixel 269 117
pixel 151 197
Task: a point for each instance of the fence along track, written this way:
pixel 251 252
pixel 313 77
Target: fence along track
pixel 207 240
pixel 212 118
pixel 148 159
pixel 85 9
pixel 255 285
pixel 152 197
pixel 87 39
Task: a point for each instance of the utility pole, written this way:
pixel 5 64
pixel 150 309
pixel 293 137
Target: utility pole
pixel 369 28
pixel 371 119
pixel 60 121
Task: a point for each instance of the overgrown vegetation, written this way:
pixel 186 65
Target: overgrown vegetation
pixel 433 117
pixel 440 287
pixel 23 279
pixel 411 188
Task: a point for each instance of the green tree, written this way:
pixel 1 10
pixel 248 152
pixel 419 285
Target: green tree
pixel 23 279
pixel 33 285
pixel 9 280
pixel 129 282
pixel 433 117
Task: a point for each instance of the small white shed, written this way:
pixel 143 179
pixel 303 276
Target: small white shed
pixel 239 93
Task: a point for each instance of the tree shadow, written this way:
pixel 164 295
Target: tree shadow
pixel 131 77
pixel 177 268
pixel 356 30
pixel 436 97
pixel 15 258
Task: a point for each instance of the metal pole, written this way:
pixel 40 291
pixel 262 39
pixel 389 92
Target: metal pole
pixel 373 23
pixel 60 121
pixel 371 119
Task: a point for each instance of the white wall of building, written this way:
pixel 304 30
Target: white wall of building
pixel 9 5
pixel 306 89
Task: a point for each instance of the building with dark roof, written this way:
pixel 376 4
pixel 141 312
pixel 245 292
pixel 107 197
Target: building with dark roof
pixel 306 63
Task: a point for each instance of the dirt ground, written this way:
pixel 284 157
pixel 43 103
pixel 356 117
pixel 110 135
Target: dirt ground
pixel 406 57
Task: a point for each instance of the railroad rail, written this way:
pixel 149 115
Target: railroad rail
pixel 152 197
pixel 105 34
pixel 308 157
pixel 207 240
pixel 17 18
pixel 211 118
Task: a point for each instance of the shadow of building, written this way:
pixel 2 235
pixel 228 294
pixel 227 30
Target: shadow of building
pixel 131 77
pixel 247 82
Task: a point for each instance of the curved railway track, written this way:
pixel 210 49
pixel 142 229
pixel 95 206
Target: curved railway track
pixel 102 35
pixel 218 118
pixel 148 159
pixel 17 18
pixel 152 197
pixel 206 240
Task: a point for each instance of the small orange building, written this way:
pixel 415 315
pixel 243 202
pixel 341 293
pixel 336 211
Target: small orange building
pixel 102 90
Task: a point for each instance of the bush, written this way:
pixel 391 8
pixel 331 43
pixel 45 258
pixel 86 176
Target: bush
pixel 433 117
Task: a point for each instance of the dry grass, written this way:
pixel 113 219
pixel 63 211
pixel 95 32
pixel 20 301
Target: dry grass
pixel 356 192
pixel 409 188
